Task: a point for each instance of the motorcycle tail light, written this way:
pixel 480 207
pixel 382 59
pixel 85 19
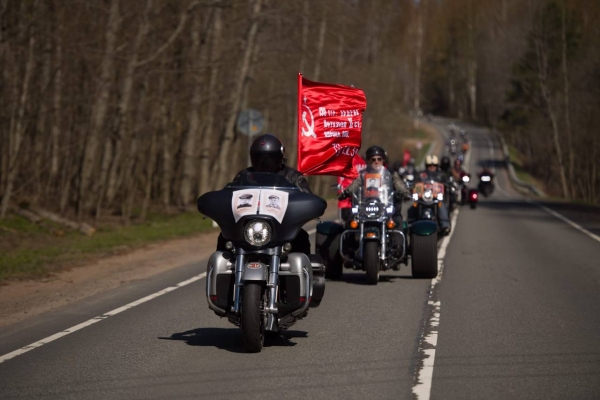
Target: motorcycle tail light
pixel 390 224
pixel 474 196
pixel 302 299
pixel 213 297
pixel 353 224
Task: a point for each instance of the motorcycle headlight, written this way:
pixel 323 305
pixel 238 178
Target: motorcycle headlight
pixel 257 232
pixel 415 196
pixel 389 209
pixel 428 195
pixel 440 196
pixel 465 179
pixel 354 209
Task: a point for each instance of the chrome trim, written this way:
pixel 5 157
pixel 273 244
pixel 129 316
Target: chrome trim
pixel 273 283
pixel 240 262
pixel 307 298
pixel 212 305
pixel 382 242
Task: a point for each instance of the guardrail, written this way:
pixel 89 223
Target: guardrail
pixel 519 184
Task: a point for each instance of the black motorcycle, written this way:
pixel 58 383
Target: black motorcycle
pixel 370 241
pixel 486 184
pixel 260 284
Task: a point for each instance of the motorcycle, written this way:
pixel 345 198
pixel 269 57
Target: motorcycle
pixel 371 241
pixel 260 284
pixel 427 195
pixel 486 184
pixel 468 195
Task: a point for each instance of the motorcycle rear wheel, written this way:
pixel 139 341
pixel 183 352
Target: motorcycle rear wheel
pixel 371 260
pixel 253 322
pixel 424 256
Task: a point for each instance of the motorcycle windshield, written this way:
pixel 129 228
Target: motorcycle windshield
pixel 377 184
pixel 264 196
pixel 376 193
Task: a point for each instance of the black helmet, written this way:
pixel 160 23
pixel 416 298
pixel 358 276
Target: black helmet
pixel 375 151
pixel 445 163
pixel 266 153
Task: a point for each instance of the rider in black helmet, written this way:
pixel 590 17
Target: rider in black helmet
pixel 267 155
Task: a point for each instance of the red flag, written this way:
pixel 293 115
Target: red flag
pixel 329 127
pixel 358 163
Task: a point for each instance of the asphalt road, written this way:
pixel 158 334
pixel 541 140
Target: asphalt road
pixel 518 307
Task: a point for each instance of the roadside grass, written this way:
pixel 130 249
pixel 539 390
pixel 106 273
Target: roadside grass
pixel 516 160
pixel 30 251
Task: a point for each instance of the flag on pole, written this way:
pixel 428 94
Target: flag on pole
pixel 329 127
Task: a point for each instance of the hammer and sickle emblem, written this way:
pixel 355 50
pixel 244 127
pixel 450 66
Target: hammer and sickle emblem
pixel 308 128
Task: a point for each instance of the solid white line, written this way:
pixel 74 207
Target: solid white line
pixel 568 221
pixel 102 317
pixel 422 389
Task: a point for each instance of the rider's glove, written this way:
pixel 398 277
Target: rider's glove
pixel 344 194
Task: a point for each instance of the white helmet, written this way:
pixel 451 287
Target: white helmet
pixel 431 160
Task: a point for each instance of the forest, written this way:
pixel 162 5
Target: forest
pixel 120 107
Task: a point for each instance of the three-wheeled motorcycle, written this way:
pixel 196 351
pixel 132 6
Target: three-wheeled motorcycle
pixel 260 284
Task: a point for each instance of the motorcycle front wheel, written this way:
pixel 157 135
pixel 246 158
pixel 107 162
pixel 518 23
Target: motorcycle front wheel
pixel 253 324
pixel 371 260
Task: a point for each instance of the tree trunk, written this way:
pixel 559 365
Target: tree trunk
pixel 472 67
pixel 236 94
pixel 418 56
pixel 565 73
pixel 542 60
pixel 113 154
pixel 57 113
pixel 86 190
pixel 190 136
pixel 205 154
pixel 16 134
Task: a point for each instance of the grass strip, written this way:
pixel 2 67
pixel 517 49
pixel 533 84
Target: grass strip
pixel 31 251
pixel 516 160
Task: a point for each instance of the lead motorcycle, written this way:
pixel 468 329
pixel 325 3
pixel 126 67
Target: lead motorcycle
pixel 260 284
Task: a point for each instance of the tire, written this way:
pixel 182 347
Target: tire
pixel 253 322
pixel 334 264
pixel 424 256
pixel 371 260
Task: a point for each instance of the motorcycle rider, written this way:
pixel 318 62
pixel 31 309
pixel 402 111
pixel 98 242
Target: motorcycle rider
pixel 376 156
pixel 445 164
pixel 457 170
pixel 486 171
pixel 432 172
pixel 267 155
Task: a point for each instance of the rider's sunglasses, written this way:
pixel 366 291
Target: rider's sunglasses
pixel 373 159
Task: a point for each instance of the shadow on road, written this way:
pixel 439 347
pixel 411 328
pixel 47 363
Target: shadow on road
pixel 230 339
pixel 361 278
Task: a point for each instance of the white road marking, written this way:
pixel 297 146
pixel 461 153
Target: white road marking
pixel 99 318
pixel 422 389
pixel 102 317
pixel 567 220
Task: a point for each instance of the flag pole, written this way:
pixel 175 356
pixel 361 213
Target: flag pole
pixel 298 119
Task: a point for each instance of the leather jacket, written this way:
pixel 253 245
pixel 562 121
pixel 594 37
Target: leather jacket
pixel 292 175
